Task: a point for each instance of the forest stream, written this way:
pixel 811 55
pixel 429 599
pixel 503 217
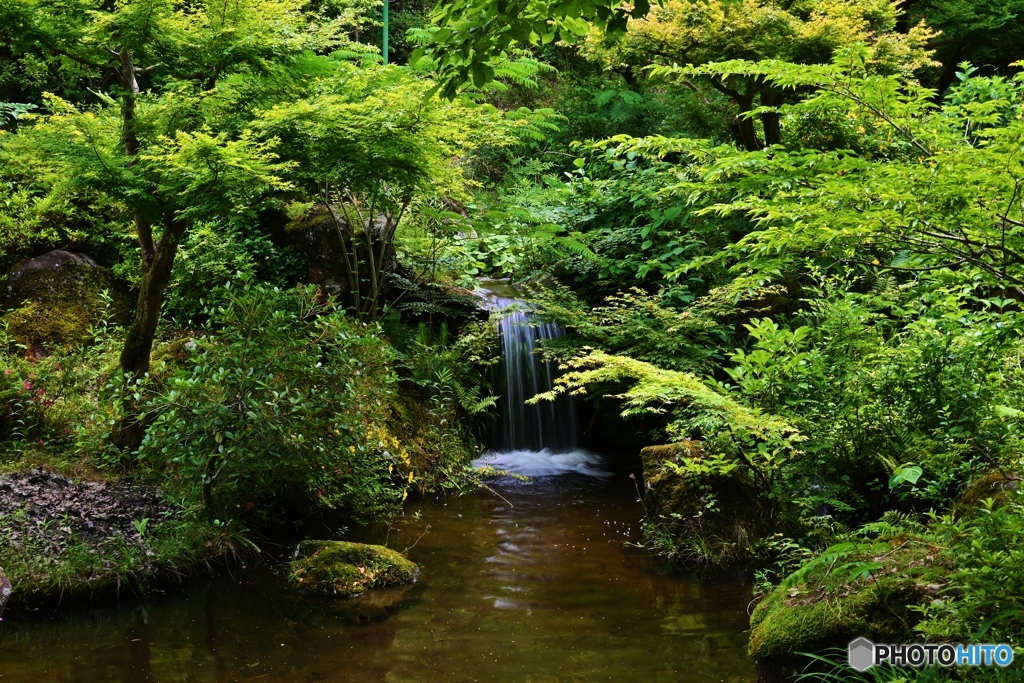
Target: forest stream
pixel 540 586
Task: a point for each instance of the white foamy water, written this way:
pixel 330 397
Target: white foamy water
pixel 543 463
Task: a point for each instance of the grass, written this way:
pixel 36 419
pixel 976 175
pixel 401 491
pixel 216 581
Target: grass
pixel 169 550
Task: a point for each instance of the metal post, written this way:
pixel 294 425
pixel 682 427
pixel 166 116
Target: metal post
pixel 384 45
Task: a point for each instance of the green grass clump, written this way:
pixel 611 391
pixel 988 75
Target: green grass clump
pixel 42 571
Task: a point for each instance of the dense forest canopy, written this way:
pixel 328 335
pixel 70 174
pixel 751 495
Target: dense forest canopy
pixel 786 240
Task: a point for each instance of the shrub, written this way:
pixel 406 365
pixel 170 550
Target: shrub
pixel 284 407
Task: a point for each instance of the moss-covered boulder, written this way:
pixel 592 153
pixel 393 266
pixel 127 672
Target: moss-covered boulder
pixel 347 569
pixel 54 299
pixel 999 486
pixel 850 590
pixel 713 518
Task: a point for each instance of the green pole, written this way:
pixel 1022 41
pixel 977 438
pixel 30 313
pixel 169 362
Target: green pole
pixel 384 46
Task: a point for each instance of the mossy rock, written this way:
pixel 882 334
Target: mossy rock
pixel 170 355
pixel 348 569
pixel 723 518
pixel 54 299
pixel 995 485
pixel 818 607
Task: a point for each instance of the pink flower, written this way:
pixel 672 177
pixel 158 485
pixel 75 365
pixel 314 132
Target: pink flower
pixel 40 442
pixel 7 371
pixel 39 393
pixel 28 385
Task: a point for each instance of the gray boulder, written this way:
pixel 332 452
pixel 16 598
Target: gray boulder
pixel 5 591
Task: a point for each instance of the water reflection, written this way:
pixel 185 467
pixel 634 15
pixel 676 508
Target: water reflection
pixel 542 590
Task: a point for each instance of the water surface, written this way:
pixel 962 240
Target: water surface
pixel 532 586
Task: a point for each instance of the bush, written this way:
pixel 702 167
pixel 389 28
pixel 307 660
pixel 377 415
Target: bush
pixel 212 255
pixel 45 404
pixel 283 408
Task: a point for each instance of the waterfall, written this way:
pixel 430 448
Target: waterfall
pixel 544 425
pixel 535 439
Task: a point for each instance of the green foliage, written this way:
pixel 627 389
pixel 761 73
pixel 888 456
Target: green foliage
pixel 760 442
pixel 981 599
pixel 773 366
pixel 282 405
pixel 212 256
pixel 935 187
pixel 637 325
pixel 44 403
pixel 473 36
pixel 711 32
pixel 987 34
pixel 447 406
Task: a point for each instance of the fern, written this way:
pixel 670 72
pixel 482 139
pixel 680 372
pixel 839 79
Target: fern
pixel 759 441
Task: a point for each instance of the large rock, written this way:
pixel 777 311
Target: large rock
pixel 713 518
pixel 850 590
pixel 319 239
pixel 5 591
pixel 54 299
pixel 348 569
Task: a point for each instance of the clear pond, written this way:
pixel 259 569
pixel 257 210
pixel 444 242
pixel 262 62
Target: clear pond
pixel 535 588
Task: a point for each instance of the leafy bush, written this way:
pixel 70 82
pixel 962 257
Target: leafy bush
pixel 213 255
pixel 983 600
pixel 447 406
pixel 284 405
pixel 45 403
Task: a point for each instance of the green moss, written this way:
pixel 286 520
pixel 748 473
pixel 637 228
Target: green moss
pixel 58 306
pixel 822 606
pixel 995 485
pixel 348 569
pixel 169 356
pixel 40 326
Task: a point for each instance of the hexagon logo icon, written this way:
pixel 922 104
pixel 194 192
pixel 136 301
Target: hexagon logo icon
pixel 862 654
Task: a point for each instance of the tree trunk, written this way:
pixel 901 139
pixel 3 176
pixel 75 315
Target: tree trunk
pixel 949 70
pixel 746 128
pixel 139 343
pixel 157 260
pixel 744 125
pixel 771 120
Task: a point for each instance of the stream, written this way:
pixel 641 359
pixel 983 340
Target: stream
pixel 540 588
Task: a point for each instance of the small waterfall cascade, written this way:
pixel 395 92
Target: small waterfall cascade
pixel 548 426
